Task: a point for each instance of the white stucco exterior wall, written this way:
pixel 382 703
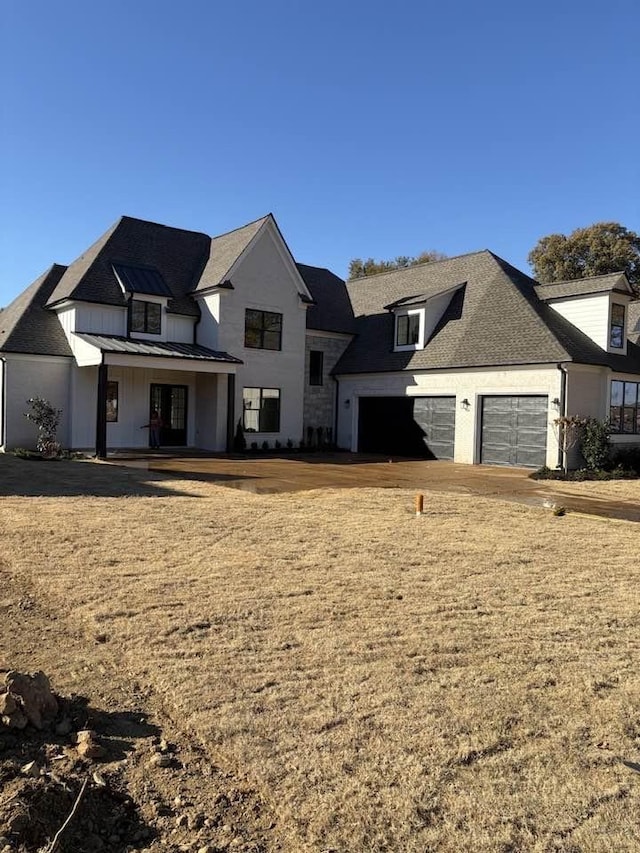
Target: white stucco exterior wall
pixel 468 384
pixel 35 376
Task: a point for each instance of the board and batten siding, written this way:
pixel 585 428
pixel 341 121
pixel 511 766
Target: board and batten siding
pixel 470 385
pixel 179 328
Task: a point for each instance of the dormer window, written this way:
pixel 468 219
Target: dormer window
pixel 616 327
pixel 409 330
pixel 146 317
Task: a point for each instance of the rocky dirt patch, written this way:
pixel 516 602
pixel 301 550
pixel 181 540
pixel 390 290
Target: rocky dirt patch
pixel 106 764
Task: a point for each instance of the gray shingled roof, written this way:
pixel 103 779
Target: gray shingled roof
pixel 633 321
pixel 584 286
pixel 225 250
pixel 495 319
pixel 27 326
pixel 332 310
pixel 178 255
pixel 169 349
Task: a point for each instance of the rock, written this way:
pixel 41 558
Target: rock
pixel 163 746
pixel 33 695
pixel 161 760
pixel 182 820
pixel 30 769
pixel 88 745
pixel 7 704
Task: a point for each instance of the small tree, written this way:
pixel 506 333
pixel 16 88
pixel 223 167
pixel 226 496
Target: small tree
pixel 47 418
pixel 595 445
pixel 239 441
pixel 568 431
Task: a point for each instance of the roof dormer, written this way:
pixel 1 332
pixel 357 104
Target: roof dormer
pixel 597 306
pixel 416 317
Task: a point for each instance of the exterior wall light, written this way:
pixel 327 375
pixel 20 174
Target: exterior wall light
pixel 466 405
pixel 347 403
pixel 556 402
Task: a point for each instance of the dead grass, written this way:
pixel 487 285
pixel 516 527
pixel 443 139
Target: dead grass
pixel 467 680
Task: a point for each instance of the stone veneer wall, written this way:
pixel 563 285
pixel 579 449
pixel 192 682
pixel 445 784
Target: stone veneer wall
pixel 319 400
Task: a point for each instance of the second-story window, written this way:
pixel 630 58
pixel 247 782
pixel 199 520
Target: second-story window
pixel 262 329
pixel 146 317
pixel 407 330
pixel 616 330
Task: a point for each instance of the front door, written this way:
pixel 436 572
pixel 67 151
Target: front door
pixel 171 403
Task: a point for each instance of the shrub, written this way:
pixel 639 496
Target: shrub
pixel 289 444
pixel 254 445
pixel 22 453
pixel 239 441
pixel 265 445
pixel 46 418
pixel 277 444
pixel 595 445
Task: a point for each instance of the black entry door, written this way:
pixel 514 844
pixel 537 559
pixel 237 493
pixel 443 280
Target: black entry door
pixel 171 402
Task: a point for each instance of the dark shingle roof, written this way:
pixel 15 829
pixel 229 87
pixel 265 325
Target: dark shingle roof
pixel 27 326
pixel 494 318
pixel 633 322
pixel 179 256
pixel 225 250
pixel 168 349
pixel 584 286
pixel 332 311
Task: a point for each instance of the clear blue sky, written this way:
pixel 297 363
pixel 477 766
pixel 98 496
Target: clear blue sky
pixel 368 127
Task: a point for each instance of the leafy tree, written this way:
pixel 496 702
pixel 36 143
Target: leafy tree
pixel 599 249
pixel 46 418
pixel 360 269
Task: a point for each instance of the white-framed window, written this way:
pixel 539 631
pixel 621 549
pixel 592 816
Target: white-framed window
pixel 409 330
pixel 616 326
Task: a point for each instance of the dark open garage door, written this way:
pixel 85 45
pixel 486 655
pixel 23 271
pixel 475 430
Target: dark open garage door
pixel 514 431
pixel 407 426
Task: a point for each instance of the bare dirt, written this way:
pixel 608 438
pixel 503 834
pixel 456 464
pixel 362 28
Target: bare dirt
pixel 156 788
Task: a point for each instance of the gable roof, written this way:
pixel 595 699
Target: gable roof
pixel 331 311
pixel 617 282
pixel 633 322
pixel 494 317
pixel 225 250
pixel 27 326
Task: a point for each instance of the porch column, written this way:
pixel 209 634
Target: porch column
pixel 231 410
pixel 101 413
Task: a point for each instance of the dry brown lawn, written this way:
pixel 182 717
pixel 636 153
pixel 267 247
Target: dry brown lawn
pixel 467 680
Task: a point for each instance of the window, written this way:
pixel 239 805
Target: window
pixel 262 329
pixel 316 364
pixel 112 402
pixel 616 330
pixel 624 413
pixel 407 330
pixel 146 317
pixel 261 409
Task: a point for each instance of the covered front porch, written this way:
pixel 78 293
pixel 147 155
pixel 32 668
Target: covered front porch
pixel 118 383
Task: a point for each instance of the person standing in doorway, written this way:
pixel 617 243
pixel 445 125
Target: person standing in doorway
pixel 155 425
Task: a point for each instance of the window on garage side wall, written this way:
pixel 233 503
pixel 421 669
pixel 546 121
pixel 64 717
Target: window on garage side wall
pixel 624 414
pixel 261 409
pixel 112 402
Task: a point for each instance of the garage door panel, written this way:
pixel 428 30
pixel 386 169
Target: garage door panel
pixel 514 430
pixel 409 426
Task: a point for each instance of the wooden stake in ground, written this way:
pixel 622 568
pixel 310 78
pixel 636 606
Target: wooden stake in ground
pixel 419 504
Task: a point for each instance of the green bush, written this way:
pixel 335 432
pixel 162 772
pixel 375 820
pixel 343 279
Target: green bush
pixel 628 458
pixel 595 445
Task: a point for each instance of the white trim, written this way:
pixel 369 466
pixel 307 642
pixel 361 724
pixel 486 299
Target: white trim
pixel 186 365
pixel 409 312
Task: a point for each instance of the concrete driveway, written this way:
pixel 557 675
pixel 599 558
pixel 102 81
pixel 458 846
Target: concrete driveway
pixel 271 475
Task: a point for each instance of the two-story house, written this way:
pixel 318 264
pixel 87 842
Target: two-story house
pixel 466 359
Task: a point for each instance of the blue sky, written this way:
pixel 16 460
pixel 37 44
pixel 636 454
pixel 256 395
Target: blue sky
pixel 367 128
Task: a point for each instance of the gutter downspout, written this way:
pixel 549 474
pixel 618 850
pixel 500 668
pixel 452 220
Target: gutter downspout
pixel 563 410
pixel 335 414
pixel 3 402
